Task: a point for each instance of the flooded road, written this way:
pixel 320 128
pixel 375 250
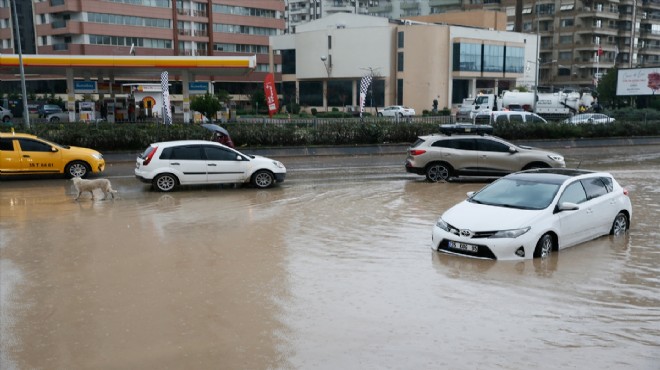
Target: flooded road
pixel 330 270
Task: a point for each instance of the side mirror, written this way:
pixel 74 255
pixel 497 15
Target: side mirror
pixel 568 206
pixel 54 149
pixel 470 194
pixel 513 150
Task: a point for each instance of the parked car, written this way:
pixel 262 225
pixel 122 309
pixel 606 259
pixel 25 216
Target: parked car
pixel 46 109
pixel 166 165
pixel 5 115
pixel 441 157
pixel 589 118
pixel 530 214
pixel 24 154
pixel 396 111
pixel 64 117
pixel 510 116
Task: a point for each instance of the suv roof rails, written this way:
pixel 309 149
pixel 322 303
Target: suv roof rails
pixel 465 129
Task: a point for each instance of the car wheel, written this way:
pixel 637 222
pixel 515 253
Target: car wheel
pixel 165 182
pixel 5 119
pixel 544 246
pixel 438 172
pixel 77 169
pixel 620 224
pixel 54 120
pixel 263 179
pixel 380 114
pixel 400 115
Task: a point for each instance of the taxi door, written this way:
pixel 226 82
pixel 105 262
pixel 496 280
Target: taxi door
pixel 225 165
pixel 10 157
pixel 38 157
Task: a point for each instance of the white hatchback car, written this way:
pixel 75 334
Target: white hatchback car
pixel 166 165
pixel 529 214
pixel 396 111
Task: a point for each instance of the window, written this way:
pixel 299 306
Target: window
pixel 399 61
pixel 574 193
pixel 399 91
pixel 329 42
pixel 492 146
pixel 187 152
pixel 566 55
pixel 459 144
pixel 400 40
pixel 567 22
pixel 467 57
pixel 6 144
pixel 28 145
pixel 493 58
pixel 594 187
pixel 567 39
pixel 213 153
pixel 514 59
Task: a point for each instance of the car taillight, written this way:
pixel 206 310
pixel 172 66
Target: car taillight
pixel 148 159
pixel 625 191
pixel 417 152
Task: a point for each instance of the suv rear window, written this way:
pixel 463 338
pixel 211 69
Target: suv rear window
pixel 460 144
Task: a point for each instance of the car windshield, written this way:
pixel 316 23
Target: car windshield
pixel 517 193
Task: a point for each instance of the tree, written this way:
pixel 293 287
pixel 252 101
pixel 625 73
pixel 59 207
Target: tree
pixel 606 90
pixel 223 96
pixel 258 99
pixel 207 104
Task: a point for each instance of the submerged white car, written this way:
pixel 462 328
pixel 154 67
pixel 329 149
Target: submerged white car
pixel 166 165
pixel 532 213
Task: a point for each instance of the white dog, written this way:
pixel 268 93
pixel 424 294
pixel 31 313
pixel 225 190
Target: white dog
pixel 83 185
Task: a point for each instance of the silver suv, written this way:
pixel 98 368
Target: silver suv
pixel 441 157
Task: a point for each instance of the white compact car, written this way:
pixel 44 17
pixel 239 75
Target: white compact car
pixel 396 111
pixel 529 214
pixel 166 165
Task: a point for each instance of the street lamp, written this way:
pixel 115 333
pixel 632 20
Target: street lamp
pixel 327 62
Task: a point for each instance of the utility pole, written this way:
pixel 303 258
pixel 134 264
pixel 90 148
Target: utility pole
pixel 26 113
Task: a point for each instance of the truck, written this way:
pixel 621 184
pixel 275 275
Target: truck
pixel 556 105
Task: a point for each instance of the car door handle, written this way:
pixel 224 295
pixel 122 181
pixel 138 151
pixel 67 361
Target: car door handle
pixel 212 164
pixel 176 164
pixel 26 156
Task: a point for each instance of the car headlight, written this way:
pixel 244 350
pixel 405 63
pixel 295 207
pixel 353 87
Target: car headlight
pixel 442 224
pixel 98 156
pixel 556 158
pixel 510 233
pixel 278 164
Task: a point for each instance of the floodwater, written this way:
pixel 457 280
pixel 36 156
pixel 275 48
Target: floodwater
pixel 330 270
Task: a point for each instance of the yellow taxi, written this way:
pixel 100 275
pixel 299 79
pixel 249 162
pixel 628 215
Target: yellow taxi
pixel 25 154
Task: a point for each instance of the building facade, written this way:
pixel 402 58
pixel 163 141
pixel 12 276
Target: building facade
pixel 412 63
pixel 580 40
pixel 152 27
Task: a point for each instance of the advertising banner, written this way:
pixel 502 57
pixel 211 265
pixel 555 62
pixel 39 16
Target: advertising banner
pixel 271 94
pixel 638 81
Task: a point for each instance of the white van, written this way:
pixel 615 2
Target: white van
pixel 490 118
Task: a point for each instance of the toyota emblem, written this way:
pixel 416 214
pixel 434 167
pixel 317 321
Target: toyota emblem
pixel 466 233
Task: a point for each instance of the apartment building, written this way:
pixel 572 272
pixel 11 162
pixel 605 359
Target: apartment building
pixel 153 27
pixel 580 40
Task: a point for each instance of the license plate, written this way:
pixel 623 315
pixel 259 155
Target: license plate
pixel 463 246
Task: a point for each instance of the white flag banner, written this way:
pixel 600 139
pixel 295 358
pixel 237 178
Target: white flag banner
pixel 364 87
pixel 165 86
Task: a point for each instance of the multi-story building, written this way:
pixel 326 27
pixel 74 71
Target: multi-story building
pixel 579 39
pixel 411 63
pixel 153 27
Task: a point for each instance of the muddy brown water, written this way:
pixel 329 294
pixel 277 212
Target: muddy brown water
pixel 330 270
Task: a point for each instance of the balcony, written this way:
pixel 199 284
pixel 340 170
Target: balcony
pixel 381 8
pixel 409 4
pixel 444 2
pixel 60 47
pixel 58 24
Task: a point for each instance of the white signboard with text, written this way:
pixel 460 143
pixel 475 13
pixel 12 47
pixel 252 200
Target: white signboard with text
pixel 638 81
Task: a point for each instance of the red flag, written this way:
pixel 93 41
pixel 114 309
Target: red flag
pixel 600 50
pixel 271 95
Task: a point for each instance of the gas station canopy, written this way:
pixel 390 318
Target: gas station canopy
pixel 124 67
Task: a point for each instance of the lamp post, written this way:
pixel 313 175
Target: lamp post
pixel 26 113
pixel 327 62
